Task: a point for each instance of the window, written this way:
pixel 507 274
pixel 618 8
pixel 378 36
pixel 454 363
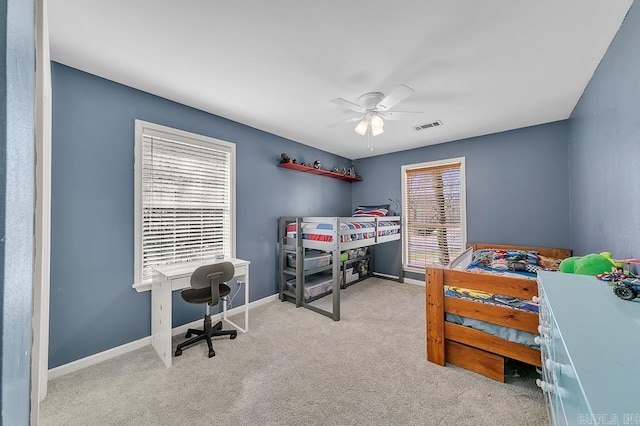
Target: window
pixel 184 198
pixel 434 216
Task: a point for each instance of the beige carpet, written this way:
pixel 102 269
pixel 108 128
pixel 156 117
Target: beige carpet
pixel 296 367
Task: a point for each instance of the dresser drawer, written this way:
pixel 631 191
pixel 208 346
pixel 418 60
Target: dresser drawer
pixel 563 394
pixel 567 384
pixel 546 327
pixel 551 398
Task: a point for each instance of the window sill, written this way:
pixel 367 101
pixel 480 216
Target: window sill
pixel 140 287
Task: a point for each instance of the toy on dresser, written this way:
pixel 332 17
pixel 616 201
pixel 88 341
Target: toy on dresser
pixel 602 265
pixel 627 287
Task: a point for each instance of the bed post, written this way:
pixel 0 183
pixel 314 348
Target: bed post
pixel 435 315
pixel 300 277
pixel 336 269
pixel 400 262
pixel 400 267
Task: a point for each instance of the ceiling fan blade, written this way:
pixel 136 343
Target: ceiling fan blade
pixel 345 103
pixel 392 99
pixel 341 122
pixel 400 115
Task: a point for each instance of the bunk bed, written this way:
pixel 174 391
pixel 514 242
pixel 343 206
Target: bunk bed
pixel 320 255
pixel 481 335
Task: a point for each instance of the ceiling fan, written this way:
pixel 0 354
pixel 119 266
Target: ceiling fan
pixel 374 108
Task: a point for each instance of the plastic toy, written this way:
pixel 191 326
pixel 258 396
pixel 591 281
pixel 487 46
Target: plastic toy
pixel 627 289
pixel 616 274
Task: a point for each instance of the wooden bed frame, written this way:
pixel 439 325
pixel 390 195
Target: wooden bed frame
pixel 473 349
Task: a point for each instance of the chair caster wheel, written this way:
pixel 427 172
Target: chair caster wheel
pixel 212 354
pixel 233 335
pixel 179 352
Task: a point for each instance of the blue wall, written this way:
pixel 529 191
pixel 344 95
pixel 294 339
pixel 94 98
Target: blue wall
pixel 604 148
pixel 93 306
pixel 516 181
pixel 519 190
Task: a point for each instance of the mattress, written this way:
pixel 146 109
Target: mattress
pixel 506 333
pixel 510 334
pixel 508 263
pixel 323 231
pixel 491 298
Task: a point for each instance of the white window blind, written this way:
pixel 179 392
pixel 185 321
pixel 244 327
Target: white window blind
pixel 434 222
pixel 186 199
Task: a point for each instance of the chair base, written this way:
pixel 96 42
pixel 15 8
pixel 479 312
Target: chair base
pixel 206 334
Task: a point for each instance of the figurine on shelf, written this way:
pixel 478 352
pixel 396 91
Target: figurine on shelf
pixel 284 158
pixel 316 164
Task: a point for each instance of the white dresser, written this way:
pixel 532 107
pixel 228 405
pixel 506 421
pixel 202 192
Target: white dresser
pixel 590 346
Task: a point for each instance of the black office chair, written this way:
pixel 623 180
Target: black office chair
pixel 208 285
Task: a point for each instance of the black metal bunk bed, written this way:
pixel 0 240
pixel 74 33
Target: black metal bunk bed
pixel 312 246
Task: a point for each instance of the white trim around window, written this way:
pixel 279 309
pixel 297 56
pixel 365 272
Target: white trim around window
pixel 185 198
pixel 450 221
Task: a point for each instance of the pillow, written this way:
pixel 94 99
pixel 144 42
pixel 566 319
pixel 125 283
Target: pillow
pixel 379 206
pixel 377 210
pixel 550 263
pixel 370 212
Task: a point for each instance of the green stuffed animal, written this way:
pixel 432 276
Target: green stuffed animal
pixel 589 264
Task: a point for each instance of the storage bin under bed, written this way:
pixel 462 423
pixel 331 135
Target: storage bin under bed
pixel 315 286
pixel 312 259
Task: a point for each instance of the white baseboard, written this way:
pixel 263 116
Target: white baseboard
pixel 145 341
pixel 406 280
pixel 97 358
pixel 414 282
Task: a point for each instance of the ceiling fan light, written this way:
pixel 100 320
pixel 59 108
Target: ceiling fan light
pixel 376 122
pixel 361 128
pixel 377 131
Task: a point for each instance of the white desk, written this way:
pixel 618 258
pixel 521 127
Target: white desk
pixel 176 277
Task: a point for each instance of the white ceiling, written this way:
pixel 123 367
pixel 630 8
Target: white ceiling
pixel 478 66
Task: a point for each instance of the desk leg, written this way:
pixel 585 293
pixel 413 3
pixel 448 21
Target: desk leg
pixel 246 301
pixel 161 320
pixel 244 279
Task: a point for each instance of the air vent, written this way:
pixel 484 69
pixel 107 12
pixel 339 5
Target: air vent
pixel 428 125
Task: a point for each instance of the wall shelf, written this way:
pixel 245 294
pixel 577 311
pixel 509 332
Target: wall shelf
pixel 328 173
